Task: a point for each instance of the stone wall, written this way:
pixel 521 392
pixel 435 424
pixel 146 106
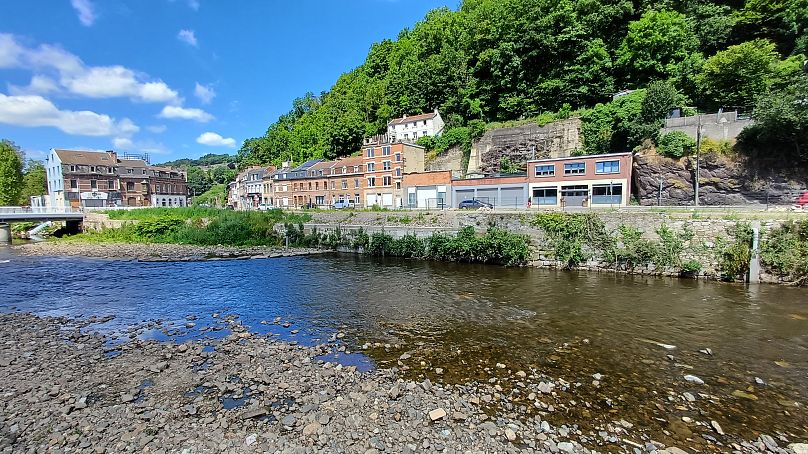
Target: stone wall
pixel 99 221
pixel 723 181
pixel 724 126
pixel 451 159
pixel 520 143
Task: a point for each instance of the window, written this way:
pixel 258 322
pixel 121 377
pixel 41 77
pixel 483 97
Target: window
pixel 545 170
pixel 545 196
pixel 386 180
pixel 356 199
pixel 317 185
pixel 130 186
pixel 398 171
pixel 607 167
pixel 356 182
pixel 144 187
pixel 333 184
pixel 607 194
pixel 371 167
pixel 294 187
pixel 415 134
pixel 371 152
pixel 109 169
pixel 385 151
pixel 94 185
pixel 309 185
pixel 74 184
pixel 344 169
pixel 92 169
pixel 574 168
pixel 386 165
pixel 356 169
pixel 344 184
pixel 111 184
pixel 398 157
pixel 398 185
pixel 144 171
pixel 128 170
pixel 424 122
pixel 411 200
pixel 372 182
pixel 72 168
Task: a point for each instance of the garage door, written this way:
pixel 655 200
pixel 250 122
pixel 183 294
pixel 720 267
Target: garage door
pixel 427 198
pixel 371 200
pixel 463 194
pixel 488 196
pixel 512 197
pixel 387 200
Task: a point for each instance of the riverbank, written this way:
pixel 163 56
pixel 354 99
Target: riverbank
pixel 155 252
pixel 67 388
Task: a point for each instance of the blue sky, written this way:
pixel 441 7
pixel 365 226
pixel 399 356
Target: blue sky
pixel 175 78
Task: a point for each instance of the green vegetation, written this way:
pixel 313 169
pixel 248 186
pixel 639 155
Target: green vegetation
pixel 210 159
pixel 784 251
pixel 215 197
pixel 676 144
pixel 197 226
pixel 780 132
pixel 496 246
pixel 11 177
pixel 506 62
pixel 34 181
pixel 734 256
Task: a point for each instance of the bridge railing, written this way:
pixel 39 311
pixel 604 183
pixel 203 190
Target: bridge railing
pixel 38 210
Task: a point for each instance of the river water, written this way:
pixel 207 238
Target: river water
pixel 642 334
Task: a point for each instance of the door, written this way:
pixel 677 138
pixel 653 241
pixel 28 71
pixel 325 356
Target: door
pixel 512 197
pixel 426 197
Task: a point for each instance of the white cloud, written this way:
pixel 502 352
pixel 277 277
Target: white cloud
pixel 40 85
pixel 127 144
pixel 205 93
pixel 32 111
pixel 117 81
pixel 187 36
pixel 86 12
pixel 185 114
pixel 157 129
pixel 212 139
pixel 9 51
pixel 193 4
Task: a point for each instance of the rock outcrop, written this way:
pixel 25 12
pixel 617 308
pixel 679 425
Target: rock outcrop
pixel 724 180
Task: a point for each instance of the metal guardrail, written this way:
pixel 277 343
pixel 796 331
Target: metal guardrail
pixel 39 210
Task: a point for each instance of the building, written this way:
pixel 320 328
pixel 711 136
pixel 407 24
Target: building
pixel 428 190
pixel 346 181
pixel 78 178
pixel 253 188
pixel 580 181
pixel 267 194
pixel 412 128
pixel 501 191
pixel 385 165
pixel 291 185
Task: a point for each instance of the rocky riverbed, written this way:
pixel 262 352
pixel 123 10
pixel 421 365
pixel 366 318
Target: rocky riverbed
pixel 67 388
pixel 155 252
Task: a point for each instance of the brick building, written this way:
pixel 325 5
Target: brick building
pixel 385 166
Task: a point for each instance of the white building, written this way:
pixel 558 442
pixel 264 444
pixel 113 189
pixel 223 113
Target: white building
pixel 412 128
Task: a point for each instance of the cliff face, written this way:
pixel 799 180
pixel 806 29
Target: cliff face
pixel 723 181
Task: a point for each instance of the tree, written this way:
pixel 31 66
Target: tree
pixel 738 75
pixel 197 180
pixel 781 124
pixel 10 173
pixel 35 181
pixel 676 144
pixel 655 45
pixel 222 175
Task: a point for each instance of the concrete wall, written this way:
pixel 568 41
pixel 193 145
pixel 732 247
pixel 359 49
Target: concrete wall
pixel 725 126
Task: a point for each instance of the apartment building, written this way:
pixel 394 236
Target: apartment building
pixel 412 128
pixel 346 181
pixel 589 181
pixel 79 178
pixel 385 165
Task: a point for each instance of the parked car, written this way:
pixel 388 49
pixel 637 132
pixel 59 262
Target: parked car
pixel 474 204
pixel 802 201
pixel 342 204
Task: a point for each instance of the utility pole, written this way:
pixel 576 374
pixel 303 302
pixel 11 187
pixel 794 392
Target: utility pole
pixel 659 195
pixel 698 152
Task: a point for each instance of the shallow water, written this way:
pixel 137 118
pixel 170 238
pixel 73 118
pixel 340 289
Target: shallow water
pixel 466 318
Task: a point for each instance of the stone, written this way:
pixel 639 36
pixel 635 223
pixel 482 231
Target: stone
pixel 288 420
pixel 437 414
pixel 251 439
pixel 767 440
pixel 744 395
pixel 126 398
pixel 717 427
pixel 694 379
pixel 566 446
pixel 510 434
pixel 799 448
pixel 311 428
pixel 255 413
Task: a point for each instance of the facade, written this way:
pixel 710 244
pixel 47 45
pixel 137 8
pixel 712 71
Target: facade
pixel 78 178
pixel 501 191
pixel 585 181
pixel 254 188
pixel 428 190
pixel 385 165
pixel 412 128
pixel 346 181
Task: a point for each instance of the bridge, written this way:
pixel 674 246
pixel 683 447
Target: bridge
pixel 72 218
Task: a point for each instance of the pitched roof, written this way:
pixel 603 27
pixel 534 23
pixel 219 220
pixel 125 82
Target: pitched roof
pixel 132 163
pixel 87 158
pixel 408 119
pixel 349 161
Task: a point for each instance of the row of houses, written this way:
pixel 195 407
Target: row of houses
pixel 389 172
pixel 81 179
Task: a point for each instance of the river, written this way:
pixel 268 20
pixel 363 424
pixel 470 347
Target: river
pixel 642 335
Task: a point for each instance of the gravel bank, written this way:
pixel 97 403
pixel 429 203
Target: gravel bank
pixel 64 390
pixel 155 252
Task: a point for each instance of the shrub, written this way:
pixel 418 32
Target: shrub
pixel 676 144
pixel 734 257
pixel 784 251
pixel 574 237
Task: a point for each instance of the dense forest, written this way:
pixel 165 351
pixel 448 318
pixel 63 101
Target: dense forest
pixel 495 61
